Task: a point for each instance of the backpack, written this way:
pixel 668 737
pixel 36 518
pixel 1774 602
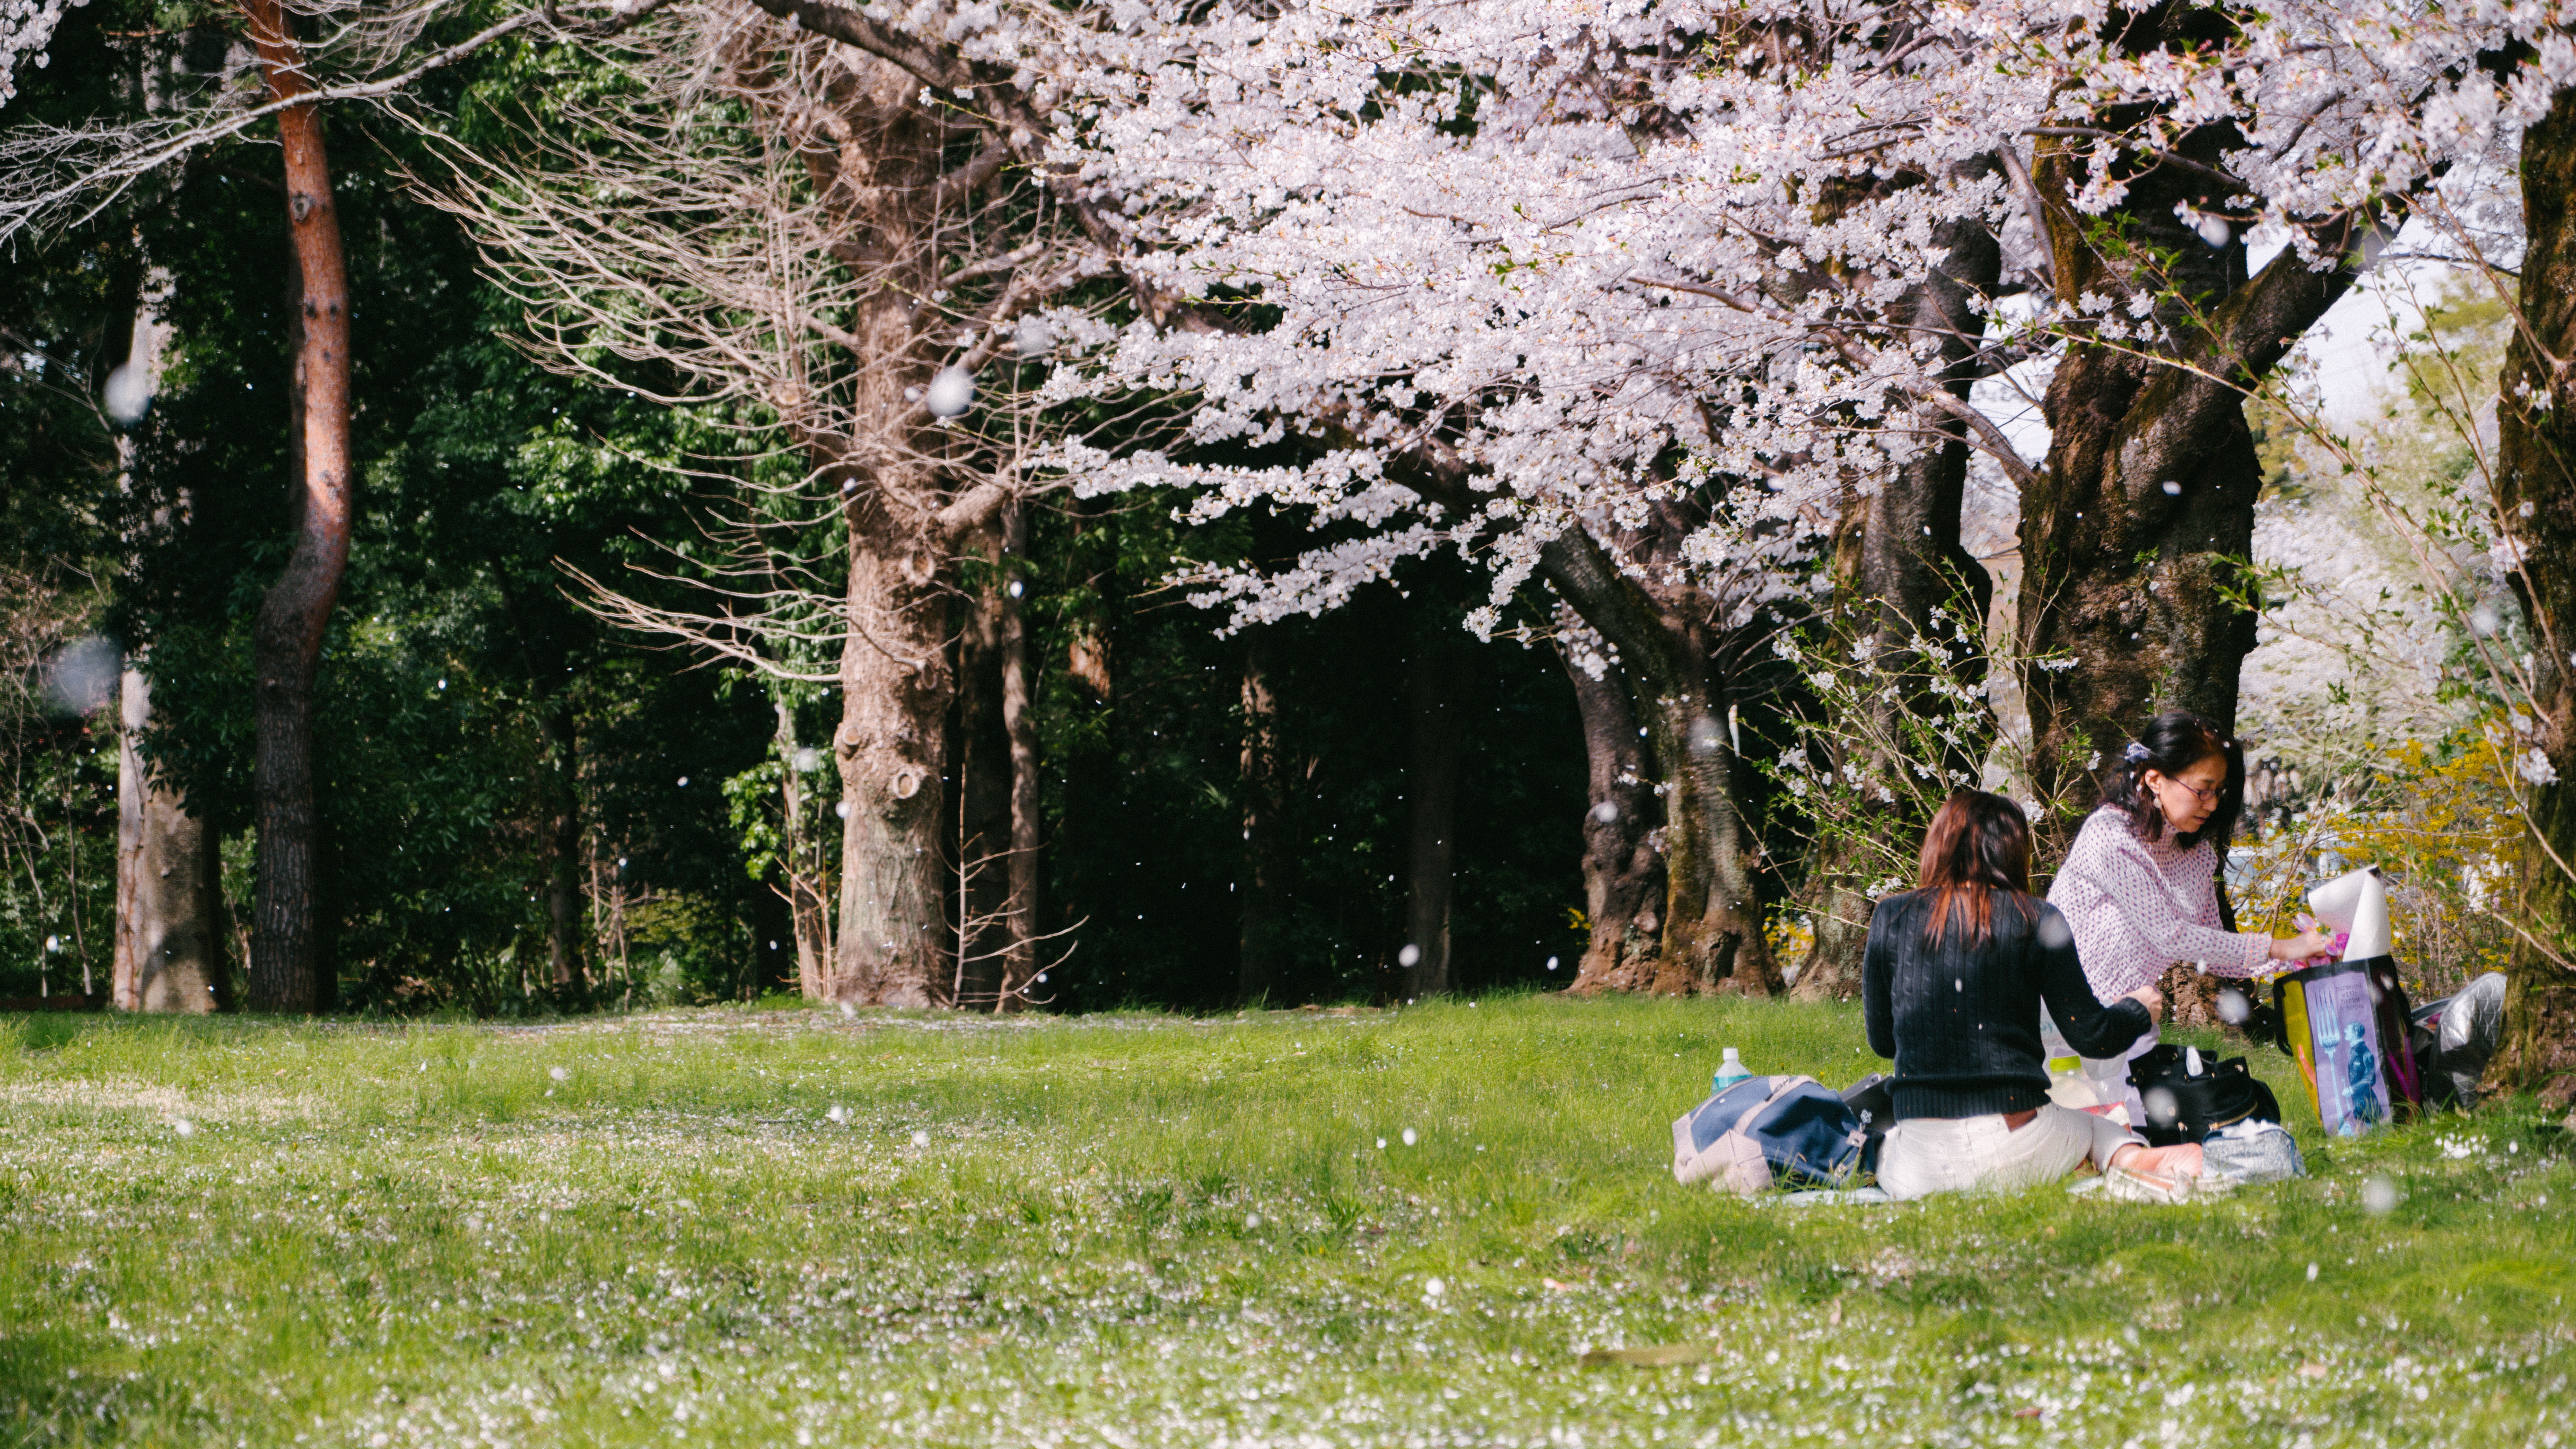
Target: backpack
pixel 1768 1129
pixel 2183 1107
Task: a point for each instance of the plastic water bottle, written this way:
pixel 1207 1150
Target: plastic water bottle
pixel 2052 1042
pixel 1730 1070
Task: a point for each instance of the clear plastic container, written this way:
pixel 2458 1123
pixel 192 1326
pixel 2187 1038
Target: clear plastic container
pixel 1730 1070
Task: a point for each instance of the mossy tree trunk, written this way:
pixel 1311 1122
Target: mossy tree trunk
pixel 2131 533
pixel 1622 873
pixel 1712 938
pixel 2536 458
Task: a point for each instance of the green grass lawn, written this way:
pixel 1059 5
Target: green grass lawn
pixel 789 1227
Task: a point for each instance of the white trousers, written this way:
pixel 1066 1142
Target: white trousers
pixel 1925 1155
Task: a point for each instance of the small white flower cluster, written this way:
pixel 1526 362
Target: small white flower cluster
pixel 2484 880
pixel 26 29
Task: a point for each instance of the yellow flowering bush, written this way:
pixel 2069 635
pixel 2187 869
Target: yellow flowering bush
pixel 2439 820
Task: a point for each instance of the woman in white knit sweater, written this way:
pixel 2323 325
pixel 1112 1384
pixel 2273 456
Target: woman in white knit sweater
pixel 2139 886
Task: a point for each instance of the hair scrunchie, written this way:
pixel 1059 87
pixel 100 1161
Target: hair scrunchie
pixel 2137 752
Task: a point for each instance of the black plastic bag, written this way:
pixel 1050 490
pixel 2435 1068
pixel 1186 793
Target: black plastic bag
pixel 2186 1106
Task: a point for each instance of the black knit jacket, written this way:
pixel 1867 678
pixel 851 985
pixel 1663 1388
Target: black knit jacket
pixel 1961 1020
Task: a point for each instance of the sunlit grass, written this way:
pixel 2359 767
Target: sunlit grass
pixel 1147 1230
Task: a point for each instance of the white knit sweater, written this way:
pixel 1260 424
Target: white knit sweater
pixel 2138 906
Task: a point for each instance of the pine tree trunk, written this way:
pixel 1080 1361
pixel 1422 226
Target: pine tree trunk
pixel 1437 683
pixel 287 972
pixel 169 933
pixel 1713 938
pixel 2536 471
pixel 1265 807
pixel 1622 873
pixel 1897 560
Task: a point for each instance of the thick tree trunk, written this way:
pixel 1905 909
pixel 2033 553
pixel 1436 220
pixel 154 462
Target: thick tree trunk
pixel 2536 471
pixel 1020 725
pixel 895 688
pixel 1713 938
pixel 896 680
pixel 2125 576
pixel 2129 536
pixel 286 970
pixel 808 913
pixel 1896 561
pixel 1265 807
pixel 1437 684
pixel 169 933
pixel 1840 908
pixel 1622 873
pixel 565 909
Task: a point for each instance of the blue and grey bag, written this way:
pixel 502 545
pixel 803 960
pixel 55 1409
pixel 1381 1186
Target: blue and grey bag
pixel 1764 1130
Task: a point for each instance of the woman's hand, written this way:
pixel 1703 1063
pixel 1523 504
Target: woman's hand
pixel 2310 942
pixel 2153 999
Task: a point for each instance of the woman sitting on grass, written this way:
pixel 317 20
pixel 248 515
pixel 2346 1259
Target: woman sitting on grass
pixel 1952 985
pixel 2139 886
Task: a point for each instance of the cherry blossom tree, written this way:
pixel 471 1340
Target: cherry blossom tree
pixel 26 29
pixel 1629 300
pixel 1510 278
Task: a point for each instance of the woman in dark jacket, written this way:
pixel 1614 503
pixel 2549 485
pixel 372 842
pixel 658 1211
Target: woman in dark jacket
pixel 1955 975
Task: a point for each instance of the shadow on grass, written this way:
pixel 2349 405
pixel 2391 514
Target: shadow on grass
pixel 59 1388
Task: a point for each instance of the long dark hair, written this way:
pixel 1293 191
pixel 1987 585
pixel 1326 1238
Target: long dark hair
pixel 2169 745
pixel 1977 845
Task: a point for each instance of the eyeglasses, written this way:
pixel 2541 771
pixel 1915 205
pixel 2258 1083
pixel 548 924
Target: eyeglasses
pixel 2206 797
